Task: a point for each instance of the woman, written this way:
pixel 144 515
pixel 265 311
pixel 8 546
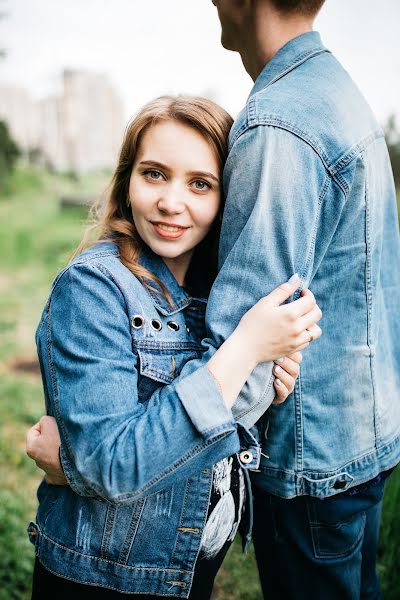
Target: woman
pixel 145 512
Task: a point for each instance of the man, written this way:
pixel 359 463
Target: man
pixel 310 190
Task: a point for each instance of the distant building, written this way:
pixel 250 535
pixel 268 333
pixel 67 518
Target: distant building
pixel 79 130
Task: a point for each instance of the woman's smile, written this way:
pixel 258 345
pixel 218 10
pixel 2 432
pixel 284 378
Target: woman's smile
pixel 168 231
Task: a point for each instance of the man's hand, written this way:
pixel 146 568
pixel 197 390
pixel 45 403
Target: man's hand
pixel 42 445
pixel 286 371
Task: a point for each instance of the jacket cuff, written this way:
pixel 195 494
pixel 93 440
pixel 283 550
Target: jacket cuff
pixel 69 473
pixel 203 402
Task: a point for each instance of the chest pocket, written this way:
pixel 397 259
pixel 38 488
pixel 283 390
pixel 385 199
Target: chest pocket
pixel 160 366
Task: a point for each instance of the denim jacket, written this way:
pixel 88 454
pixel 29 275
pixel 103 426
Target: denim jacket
pixel 310 190
pixel 139 464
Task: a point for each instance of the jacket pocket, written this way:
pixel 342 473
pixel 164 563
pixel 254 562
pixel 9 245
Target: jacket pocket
pixel 160 366
pixel 336 537
pixel 163 365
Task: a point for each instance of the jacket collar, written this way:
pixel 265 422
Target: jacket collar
pixel 180 298
pixel 290 56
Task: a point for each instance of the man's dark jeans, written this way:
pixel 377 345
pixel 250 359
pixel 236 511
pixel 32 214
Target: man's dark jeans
pixel 319 549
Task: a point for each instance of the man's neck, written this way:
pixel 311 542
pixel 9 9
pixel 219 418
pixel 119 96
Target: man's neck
pixel 268 35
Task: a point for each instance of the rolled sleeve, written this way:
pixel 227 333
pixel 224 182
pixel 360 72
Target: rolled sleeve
pixel 201 397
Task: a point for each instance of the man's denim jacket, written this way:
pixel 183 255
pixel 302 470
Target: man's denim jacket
pixel 310 190
pixel 139 464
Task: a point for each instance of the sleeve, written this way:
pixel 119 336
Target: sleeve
pixel 274 183
pixel 112 444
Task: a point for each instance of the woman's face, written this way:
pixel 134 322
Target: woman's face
pixel 174 191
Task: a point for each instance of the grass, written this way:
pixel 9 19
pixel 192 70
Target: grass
pixel 36 238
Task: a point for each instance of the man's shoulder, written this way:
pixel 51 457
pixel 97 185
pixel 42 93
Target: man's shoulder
pixel 318 102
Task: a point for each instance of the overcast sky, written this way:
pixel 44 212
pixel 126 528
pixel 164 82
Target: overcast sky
pixel 152 47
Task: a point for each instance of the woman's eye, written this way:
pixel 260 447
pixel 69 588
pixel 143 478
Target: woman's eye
pixel 201 185
pixel 151 174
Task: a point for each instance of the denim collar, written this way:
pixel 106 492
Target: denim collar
pixel 155 264
pixel 290 56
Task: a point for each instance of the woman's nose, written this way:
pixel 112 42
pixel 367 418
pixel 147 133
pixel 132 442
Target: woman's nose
pixel 171 201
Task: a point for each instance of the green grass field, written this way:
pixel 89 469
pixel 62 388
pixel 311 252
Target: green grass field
pixel 36 238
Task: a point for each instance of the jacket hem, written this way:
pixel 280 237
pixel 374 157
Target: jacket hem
pixel 94 571
pixel 290 484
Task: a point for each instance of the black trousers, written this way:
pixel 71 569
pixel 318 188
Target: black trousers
pixel 46 585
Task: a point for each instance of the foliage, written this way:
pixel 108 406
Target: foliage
pixel 393 141
pixel 9 152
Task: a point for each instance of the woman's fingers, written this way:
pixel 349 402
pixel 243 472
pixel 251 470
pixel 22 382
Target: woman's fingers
pixel 291 367
pixel 284 291
pixel 315 331
pixel 310 318
pixel 309 335
pixel 287 374
pixel 301 306
pixel 296 357
pixel 281 392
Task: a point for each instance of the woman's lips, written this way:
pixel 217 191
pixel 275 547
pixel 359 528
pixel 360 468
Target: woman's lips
pixel 169 232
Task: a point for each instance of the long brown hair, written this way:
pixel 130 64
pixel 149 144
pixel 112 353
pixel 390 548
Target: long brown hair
pixel 114 220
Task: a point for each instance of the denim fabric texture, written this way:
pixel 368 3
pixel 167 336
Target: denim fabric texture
pixel 310 190
pixel 139 466
pixel 319 548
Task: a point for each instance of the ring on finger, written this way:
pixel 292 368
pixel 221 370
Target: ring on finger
pixel 311 336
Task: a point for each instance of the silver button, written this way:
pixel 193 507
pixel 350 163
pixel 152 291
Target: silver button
pixel 137 321
pixel 246 457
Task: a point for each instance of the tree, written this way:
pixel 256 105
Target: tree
pixel 393 143
pixel 9 152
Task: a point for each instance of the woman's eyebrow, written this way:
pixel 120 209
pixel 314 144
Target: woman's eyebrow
pixel 203 174
pixel 155 163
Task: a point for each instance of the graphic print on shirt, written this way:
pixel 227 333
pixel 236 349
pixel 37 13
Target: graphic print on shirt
pixel 223 521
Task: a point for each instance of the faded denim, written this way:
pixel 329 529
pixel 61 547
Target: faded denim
pixel 310 189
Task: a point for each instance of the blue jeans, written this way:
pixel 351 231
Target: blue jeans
pixel 319 549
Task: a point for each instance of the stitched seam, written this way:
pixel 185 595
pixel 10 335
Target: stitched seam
pixel 111 562
pixel 132 530
pixel 326 475
pixel 355 151
pixel 368 290
pixel 261 400
pixel 153 345
pixel 107 531
pixel 301 59
pixel 181 462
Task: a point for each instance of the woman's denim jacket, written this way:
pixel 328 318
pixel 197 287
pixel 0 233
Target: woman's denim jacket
pixel 139 463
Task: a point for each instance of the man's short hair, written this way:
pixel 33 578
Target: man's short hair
pixel 302 7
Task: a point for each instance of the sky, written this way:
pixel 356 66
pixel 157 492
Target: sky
pixel 152 47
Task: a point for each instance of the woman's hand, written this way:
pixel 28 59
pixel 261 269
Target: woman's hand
pixel 43 445
pixel 271 329
pixel 286 371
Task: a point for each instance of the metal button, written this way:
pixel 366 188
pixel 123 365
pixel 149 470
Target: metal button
pixel 137 322
pixel 246 457
pixel 156 324
pixel 172 325
pixel 339 485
